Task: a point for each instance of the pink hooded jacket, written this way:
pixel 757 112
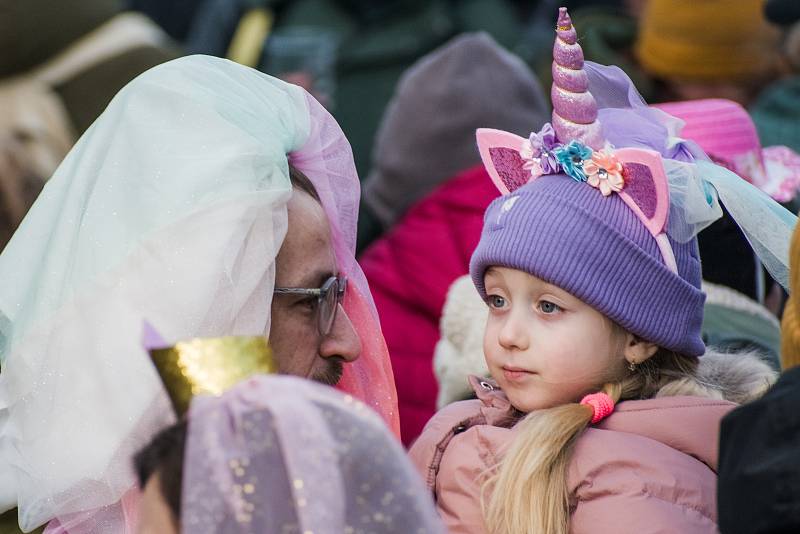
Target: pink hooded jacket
pixel 649 467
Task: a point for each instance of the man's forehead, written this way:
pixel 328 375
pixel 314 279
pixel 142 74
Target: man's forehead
pixel 307 279
pixel 304 208
pixel 306 258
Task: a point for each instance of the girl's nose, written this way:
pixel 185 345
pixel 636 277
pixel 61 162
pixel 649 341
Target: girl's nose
pixel 514 334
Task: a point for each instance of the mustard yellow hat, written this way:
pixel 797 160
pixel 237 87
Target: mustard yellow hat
pixel 707 40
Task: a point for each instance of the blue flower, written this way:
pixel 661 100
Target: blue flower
pixel 571 158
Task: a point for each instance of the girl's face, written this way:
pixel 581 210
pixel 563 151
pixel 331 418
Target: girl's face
pixel 543 346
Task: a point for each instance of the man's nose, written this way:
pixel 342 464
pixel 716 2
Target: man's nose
pixel 342 341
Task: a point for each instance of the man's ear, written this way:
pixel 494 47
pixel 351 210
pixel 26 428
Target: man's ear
pixel 637 350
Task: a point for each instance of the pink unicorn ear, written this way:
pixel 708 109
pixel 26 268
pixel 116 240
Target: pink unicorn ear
pixel 500 152
pixel 646 192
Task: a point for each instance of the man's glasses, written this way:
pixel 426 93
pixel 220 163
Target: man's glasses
pixel 329 296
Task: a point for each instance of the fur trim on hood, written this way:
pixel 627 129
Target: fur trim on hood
pixel 459 352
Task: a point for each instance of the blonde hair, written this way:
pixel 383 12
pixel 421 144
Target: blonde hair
pixel 528 493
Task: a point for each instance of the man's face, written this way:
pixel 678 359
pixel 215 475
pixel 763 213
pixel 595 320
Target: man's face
pixel 306 260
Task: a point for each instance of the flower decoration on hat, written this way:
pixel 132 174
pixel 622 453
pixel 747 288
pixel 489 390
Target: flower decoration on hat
pixel 532 164
pixel 571 158
pixel 604 171
pixel 537 152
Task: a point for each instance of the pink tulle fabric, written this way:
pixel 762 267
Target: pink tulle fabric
pixel 326 158
pixel 126 512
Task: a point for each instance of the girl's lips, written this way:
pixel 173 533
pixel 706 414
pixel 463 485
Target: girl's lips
pixel 514 374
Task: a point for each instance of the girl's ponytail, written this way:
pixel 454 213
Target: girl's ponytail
pixel 529 492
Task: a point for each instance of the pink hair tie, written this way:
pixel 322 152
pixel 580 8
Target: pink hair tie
pixel 602 405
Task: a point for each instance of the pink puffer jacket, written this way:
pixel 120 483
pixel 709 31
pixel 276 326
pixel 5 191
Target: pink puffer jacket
pixel 649 467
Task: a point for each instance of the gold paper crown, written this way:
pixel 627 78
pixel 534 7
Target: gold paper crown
pixel 210 366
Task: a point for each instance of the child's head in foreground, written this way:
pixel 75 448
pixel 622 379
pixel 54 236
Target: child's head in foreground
pixel 280 454
pixel 580 295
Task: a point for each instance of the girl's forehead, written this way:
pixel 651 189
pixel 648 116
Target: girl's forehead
pixel 515 277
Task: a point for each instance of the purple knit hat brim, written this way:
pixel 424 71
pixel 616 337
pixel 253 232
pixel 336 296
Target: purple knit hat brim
pixel 567 234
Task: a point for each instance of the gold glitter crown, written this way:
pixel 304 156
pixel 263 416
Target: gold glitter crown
pixel 210 366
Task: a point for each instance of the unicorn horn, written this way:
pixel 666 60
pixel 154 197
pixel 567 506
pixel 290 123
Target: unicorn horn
pixel 574 107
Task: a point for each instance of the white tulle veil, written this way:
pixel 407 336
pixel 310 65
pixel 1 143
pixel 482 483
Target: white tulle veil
pixel 171 207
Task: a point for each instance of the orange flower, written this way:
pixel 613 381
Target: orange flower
pixel 604 172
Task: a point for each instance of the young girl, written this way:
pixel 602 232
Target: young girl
pixel 589 266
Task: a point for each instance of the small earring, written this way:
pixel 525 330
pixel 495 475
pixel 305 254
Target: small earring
pixel 632 366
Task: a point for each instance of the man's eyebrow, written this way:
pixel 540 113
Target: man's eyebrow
pixel 314 279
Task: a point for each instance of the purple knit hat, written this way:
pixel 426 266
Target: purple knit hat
pixel 588 219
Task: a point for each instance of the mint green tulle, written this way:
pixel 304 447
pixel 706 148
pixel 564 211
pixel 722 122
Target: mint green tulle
pixel 767 225
pixel 171 207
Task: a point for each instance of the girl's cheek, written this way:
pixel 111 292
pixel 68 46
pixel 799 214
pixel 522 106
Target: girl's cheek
pixel 492 328
pixel 562 360
pixel 490 341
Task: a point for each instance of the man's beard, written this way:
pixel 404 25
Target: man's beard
pixel 332 372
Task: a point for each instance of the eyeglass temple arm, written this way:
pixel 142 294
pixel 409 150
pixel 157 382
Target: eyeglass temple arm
pixel 299 291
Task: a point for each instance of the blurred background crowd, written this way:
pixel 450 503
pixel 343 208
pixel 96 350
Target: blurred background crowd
pixel 394 73
pixel 409 81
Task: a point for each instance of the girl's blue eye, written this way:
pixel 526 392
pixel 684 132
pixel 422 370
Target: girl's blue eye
pixel 548 307
pixel 495 301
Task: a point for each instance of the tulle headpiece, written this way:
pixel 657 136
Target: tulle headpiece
pixel 171 207
pixel 279 454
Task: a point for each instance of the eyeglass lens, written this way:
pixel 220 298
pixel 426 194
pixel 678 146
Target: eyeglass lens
pixel 329 304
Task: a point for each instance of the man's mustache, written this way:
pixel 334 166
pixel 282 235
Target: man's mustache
pixel 332 373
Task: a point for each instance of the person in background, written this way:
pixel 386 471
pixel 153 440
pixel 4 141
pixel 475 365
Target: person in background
pixel 372 44
pixel 174 16
pixel 424 136
pixel 759 449
pixel 710 49
pixel 425 141
pixel 776 111
pixel 409 271
pixel 726 132
pixel 62 63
